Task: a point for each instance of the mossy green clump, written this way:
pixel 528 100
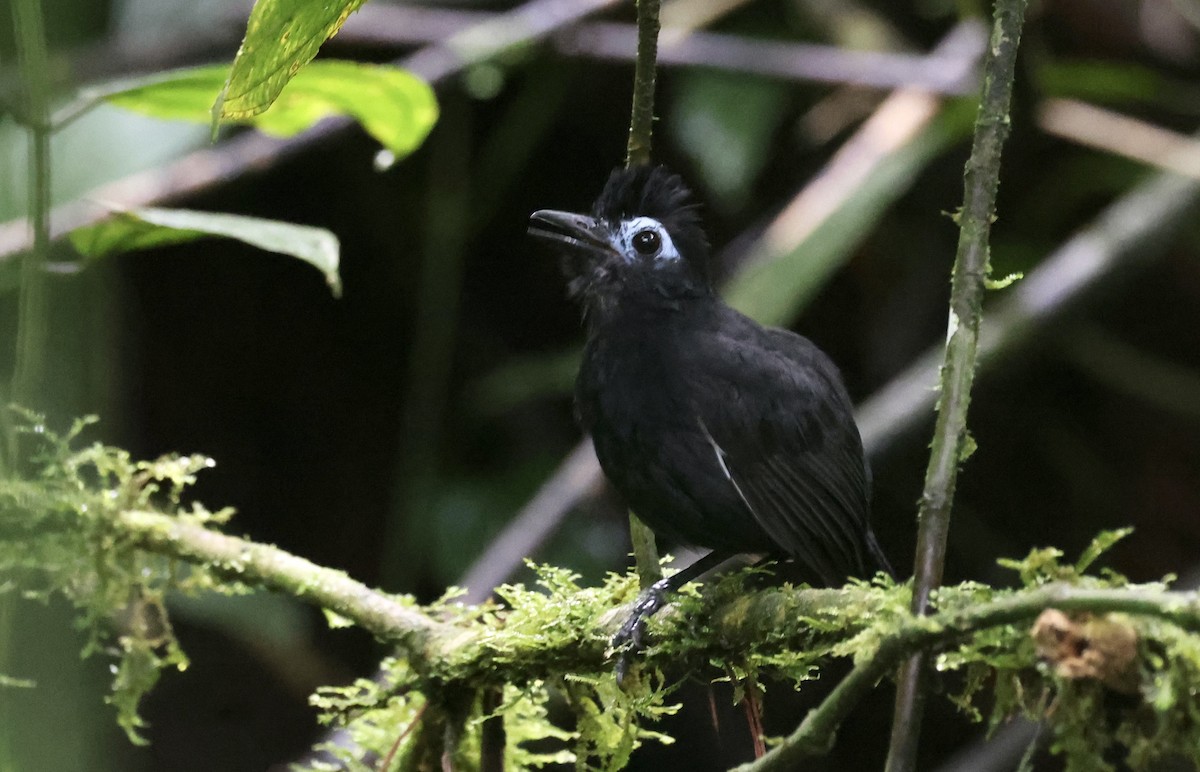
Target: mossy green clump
pixel 1095 723
pixel 59 535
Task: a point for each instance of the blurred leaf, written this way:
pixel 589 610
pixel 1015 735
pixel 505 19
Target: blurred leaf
pixel 467 512
pixel 526 378
pixel 1111 82
pixel 269 620
pixel 396 107
pixel 147 227
pixel 724 123
pixel 774 287
pixel 281 37
pixel 10 272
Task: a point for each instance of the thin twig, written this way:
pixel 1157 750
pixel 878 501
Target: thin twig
pixel 30 38
pixel 950 440
pixel 785 60
pixel 385 764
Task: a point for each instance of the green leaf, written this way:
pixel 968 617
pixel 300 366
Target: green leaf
pixel 148 227
pixel 724 123
pixel 396 107
pixel 281 37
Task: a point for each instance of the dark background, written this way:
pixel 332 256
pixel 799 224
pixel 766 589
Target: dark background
pixel 392 432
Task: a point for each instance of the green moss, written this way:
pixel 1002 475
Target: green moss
pixel 67 527
pixel 59 535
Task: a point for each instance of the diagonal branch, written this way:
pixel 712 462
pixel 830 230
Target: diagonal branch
pixel 495 648
pixel 386 616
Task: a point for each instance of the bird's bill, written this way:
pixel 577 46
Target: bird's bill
pixel 568 229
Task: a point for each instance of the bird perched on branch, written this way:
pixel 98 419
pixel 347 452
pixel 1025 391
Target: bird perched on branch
pixel 717 431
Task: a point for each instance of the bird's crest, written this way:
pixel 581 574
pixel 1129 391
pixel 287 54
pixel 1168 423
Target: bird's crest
pixel 654 191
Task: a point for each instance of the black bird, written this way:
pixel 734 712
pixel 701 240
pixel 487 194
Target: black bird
pixel 717 431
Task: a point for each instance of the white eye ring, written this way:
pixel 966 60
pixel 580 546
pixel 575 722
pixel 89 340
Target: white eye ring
pixel 646 238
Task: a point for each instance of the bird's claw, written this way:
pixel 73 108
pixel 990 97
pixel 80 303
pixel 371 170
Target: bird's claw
pixel 630 639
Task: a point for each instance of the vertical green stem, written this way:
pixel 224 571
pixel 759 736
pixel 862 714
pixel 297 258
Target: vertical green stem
pixel 645 552
pixel 30 36
pixel 950 441
pixel 641 130
pixel 31 319
pixel 33 60
pixel 641 119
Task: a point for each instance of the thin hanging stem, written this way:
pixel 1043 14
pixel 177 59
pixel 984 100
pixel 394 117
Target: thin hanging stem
pixel 641 130
pixel 31 319
pixel 645 68
pixel 951 443
pixel 30 36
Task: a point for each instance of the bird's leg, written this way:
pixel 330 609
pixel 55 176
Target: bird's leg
pixel 630 638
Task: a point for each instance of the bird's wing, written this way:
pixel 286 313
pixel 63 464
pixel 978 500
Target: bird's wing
pixel 785 437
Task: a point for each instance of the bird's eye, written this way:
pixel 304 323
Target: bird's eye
pixel 647 242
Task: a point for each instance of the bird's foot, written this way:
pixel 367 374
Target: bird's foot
pixel 630 639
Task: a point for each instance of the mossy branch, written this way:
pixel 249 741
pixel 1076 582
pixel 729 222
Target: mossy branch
pixel 951 442
pixel 517 644
pixel 387 616
pixel 111 533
